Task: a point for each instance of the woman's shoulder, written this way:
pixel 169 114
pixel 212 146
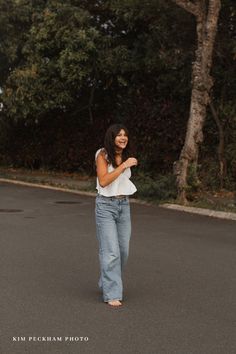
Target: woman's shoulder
pixel 101 152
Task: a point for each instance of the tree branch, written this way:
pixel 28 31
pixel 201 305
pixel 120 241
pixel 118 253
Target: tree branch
pixel 187 5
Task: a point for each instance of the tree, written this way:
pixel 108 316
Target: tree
pixel 206 14
pixel 69 68
pixel 58 62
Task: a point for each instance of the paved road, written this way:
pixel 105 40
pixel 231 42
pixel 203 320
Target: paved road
pixel 180 283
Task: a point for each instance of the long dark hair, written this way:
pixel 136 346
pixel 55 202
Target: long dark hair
pixel 110 147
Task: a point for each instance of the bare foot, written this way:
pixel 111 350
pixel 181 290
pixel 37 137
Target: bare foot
pixel 114 303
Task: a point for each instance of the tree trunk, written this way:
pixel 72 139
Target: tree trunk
pixel 206 25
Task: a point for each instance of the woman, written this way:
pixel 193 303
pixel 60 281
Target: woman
pixel 112 210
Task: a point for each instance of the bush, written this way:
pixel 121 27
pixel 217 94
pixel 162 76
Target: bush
pixel 158 188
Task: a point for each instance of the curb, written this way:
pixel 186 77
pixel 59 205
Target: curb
pixel 201 211
pixel 67 190
pixel 192 210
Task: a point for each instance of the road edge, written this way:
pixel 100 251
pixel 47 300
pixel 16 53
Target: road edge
pixel 201 211
pixel 187 209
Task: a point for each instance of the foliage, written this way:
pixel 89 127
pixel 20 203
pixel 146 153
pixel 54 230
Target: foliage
pixel 158 188
pixel 70 68
pixel 58 63
pixel 224 101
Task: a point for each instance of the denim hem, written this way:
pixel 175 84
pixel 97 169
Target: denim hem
pixel 113 300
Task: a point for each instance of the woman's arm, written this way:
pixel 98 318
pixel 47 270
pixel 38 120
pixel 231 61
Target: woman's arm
pixel 105 177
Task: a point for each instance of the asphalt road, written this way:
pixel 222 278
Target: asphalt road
pixel 180 282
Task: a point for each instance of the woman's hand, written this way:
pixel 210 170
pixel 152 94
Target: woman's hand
pixel 105 177
pixel 131 161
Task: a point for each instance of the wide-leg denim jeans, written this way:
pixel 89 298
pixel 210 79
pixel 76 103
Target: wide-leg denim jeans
pixel 113 228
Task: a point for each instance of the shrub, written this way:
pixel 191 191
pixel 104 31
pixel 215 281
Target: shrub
pixel 158 188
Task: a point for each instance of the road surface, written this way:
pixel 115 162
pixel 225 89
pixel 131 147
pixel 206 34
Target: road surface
pixel 180 281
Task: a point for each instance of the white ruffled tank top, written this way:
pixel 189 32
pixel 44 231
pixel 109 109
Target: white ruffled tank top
pixel 120 186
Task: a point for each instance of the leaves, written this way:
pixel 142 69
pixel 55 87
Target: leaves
pixel 70 68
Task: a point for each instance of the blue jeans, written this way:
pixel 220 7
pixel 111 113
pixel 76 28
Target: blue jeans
pixel 113 228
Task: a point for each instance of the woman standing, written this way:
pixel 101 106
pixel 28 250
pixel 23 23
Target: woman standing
pixel 112 210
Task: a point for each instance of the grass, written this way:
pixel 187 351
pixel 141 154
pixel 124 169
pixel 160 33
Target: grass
pixel 74 181
pixel 216 200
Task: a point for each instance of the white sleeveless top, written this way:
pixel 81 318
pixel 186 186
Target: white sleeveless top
pixel 120 186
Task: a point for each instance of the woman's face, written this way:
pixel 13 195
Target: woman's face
pixel 121 140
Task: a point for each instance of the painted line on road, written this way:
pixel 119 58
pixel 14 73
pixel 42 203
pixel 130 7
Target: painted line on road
pixel 193 210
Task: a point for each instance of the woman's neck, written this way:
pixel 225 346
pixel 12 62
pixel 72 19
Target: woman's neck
pixel 118 152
